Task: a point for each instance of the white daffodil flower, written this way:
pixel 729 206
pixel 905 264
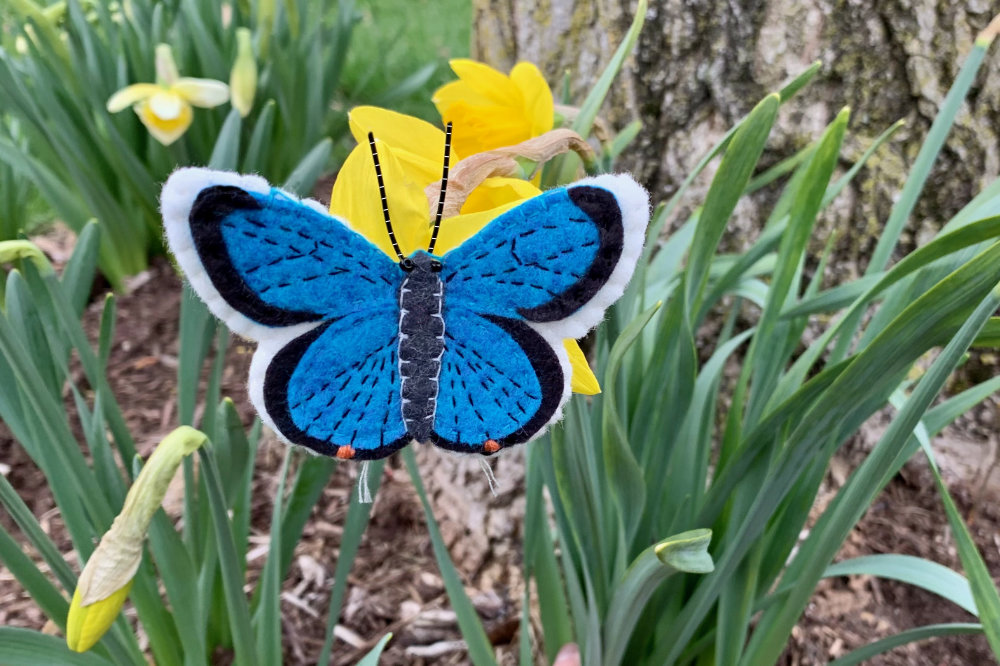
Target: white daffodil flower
pixel 164 107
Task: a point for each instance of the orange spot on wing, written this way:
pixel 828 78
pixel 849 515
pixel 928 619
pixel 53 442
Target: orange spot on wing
pixel 345 452
pixel 491 446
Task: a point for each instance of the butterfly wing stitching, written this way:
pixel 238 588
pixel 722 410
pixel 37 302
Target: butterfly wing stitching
pixel 313 293
pixel 542 272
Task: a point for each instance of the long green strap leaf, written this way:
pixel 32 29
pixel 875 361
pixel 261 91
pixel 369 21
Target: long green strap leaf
pixel 883 645
pixel 926 574
pixel 23 647
pixel 358 514
pixel 829 532
pixel 34 582
pixel 229 565
pixel 268 616
pixel 480 649
pixel 727 187
pixel 983 590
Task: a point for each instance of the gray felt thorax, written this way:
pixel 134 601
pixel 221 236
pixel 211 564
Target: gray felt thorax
pixel 421 343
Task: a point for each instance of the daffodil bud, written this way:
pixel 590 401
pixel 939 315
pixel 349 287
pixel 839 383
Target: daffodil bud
pixel 266 10
pixel 55 12
pixel 166 68
pixel 21 249
pixel 107 577
pixel 243 79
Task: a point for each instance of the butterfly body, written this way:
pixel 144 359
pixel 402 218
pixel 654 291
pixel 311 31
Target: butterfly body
pixel 421 342
pixel 358 354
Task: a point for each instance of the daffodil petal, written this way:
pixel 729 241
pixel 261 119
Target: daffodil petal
pixel 85 625
pixel 485 80
pixel 166 105
pixel 355 199
pixel 399 130
pixel 460 228
pixel 417 144
pixel 164 131
pixel 205 93
pixel 494 192
pixel 455 92
pixel 478 129
pixel 130 95
pixel 583 380
pixel 166 68
pixel 538 103
pixel 408 208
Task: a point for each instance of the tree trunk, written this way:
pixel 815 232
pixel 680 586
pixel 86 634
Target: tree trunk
pixel 700 65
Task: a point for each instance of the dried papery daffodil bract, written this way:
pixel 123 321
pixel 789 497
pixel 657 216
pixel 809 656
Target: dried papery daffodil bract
pixel 410 154
pixel 164 107
pixel 490 109
pixel 107 577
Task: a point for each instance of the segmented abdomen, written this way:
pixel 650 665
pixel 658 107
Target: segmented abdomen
pixel 421 345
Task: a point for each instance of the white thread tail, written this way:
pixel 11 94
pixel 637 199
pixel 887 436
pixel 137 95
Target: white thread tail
pixel 490 478
pixel 364 493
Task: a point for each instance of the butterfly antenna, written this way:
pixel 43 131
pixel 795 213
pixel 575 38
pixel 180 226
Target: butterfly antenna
pixel 444 188
pixel 385 202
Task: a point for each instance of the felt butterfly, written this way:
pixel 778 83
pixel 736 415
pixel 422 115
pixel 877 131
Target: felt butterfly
pixel 360 354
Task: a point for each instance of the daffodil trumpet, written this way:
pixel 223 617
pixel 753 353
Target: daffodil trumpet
pixel 491 109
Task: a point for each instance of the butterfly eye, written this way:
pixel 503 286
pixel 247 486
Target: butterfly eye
pixel 435 266
pixel 407 264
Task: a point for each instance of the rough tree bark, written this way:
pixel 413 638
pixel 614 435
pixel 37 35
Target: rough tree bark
pixel 702 64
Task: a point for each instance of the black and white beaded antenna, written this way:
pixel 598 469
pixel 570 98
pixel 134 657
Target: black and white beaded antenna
pixel 444 188
pixel 385 202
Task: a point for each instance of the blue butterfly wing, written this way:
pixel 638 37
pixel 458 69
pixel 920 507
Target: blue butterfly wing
pixel 500 380
pixel 261 258
pixel 541 272
pixel 336 385
pixel 320 299
pixel 546 260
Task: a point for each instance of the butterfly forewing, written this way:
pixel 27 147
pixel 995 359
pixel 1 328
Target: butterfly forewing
pixel 261 259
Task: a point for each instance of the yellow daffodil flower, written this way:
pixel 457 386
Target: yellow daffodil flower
pixel 164 107
pixel 243 79
pixel 107 578
pixel 411 152
pixel 490 109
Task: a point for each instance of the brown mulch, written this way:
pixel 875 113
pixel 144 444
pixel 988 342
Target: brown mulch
pixel 395 585
pixel 907 518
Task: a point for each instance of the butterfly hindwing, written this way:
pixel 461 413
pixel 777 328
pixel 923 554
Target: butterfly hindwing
pixel 336 385
pixel 260 258
pixel 500 381
pixel 559 259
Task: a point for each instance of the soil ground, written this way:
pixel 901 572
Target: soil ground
pixel 395 585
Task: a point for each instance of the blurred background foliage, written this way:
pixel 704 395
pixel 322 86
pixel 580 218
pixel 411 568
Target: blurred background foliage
pixel 59 64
